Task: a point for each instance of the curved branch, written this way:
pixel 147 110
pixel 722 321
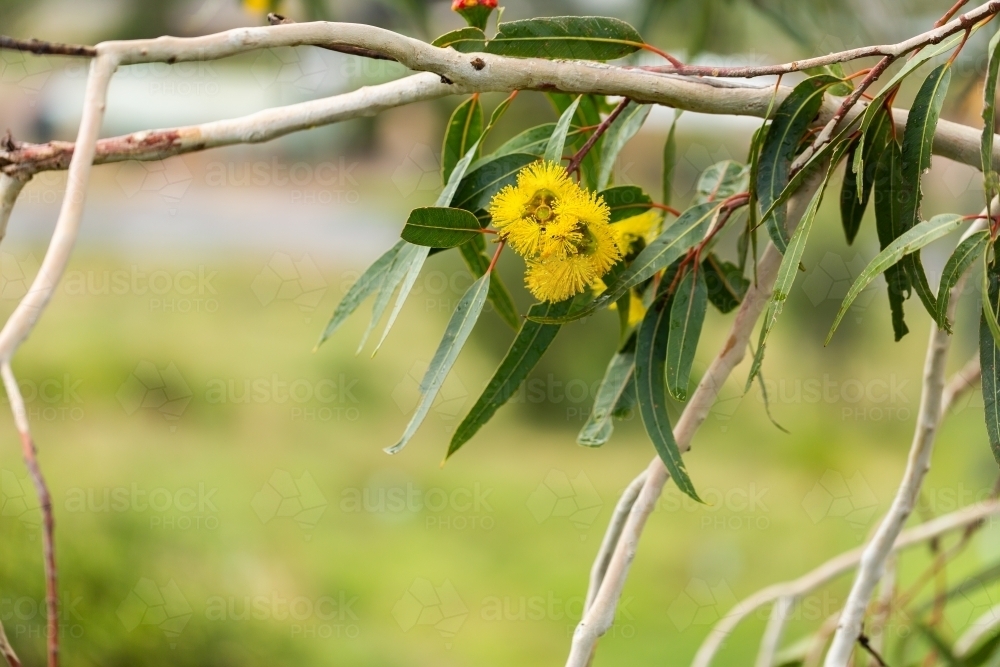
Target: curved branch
pixel 832 569
pixel 7 651
pixel 614 531
pixel 917 466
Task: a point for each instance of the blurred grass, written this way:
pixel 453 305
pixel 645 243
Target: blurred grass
pixel 333 586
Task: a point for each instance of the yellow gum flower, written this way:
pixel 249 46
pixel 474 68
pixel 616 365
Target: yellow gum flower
pixel 641 226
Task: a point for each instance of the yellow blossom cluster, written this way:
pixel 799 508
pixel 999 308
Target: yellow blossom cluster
pixel 559 227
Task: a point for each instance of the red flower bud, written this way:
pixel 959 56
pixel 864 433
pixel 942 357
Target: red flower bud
pixel 475 12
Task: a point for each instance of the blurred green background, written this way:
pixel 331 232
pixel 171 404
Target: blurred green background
pixel 221 492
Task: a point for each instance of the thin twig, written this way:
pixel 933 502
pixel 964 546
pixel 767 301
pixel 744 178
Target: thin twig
pixel 29 453
pixel 961 383
pixel 775 628
pixel 577 159
pixel 38 47
pixel 866 645
pixel 611 536
pixel 951 12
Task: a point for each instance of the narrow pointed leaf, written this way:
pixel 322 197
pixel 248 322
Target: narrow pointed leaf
pixel 650 354
pixel 721 180
pixel 440 227
pixel 463 40
pixel 363 287
pixel 557 142
pixel 419 256
pixel 787 271
pixel 859 175
pixel 888 177
pixel 532 141
pixel 600 424
pixel 474 254
pixel 965 253
pixel 789 126
pixel 621 131
pixel 528 347
pixel 990 179
pixel 917 139
pixel 669 246
pixel 687 315
pixel 725 283
pixel 459 327
pixel 910 242
pixel 588 115
pixel 479 186
pixel 989 355
pixel 464 129
pixel 401 265
pixel 576 37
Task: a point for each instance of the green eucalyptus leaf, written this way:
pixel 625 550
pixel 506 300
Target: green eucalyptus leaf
pixel 990 179
pixel 624 127
pixel 888 216
pixel 789 126
pixel 574 37
pixel 687 315
pixel 650 354
pixel 440 227
pixel 725 283
pixel 528 347
pixel 626 201
pixel 721 180
pixel 464 40
pixel 670 160
pixel 474 254
pixel 557 142
pixel 457 332
pixel 464 129
pixel 617 378
pixel 479 186
pixel 859 176
pixel 366 284
pixel 965 253
pixel 910 242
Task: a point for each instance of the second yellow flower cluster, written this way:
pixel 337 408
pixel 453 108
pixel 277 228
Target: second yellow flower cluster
pixel 560 228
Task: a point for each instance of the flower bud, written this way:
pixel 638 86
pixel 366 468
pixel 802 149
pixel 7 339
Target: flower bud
pixel 475 12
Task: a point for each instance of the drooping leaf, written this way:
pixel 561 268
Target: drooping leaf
pixel 588 115
pixel 859 176
pixel 721 180
pixel 464 129
pixel 910 242
pixel 459 327
pixel 528 347
pixel 600 424
pixel 650 355
pixel 965 253
pixel 463 40
pixel 990 179
pixel 725 283
pixel 917 139
pixel 624 127
pixel 687 315
pixel 532 141
pixel 888 177
pixel 670 160
pixel 366 284
pixel 440 227
pixel 414 262
pixel 989 352
pixel 403 263
pixel 479 186
pixel 669 246
pixel 626 201
pixel 474 254
pixel 573 37
pixel 789 126
pixel 557 142
pixel 787 271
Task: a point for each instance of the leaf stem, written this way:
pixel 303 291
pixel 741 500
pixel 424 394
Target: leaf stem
pixel 496 256
pixel 577 159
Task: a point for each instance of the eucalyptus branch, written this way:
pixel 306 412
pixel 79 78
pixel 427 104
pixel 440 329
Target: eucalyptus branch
pixel 918 464
pixel 772 634
pixel 600 615
pixel 834 568
pixel 575 161
pixel 38 47
pixel 48 522
pixel 614 531
pixel 961 383
pixel 7 651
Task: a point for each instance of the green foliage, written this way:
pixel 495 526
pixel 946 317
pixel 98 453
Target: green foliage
pixel 888 178
pixel 989 353
pixel 557 141
pixel 626 201
pixel 721 180
pixel 613 389
pixel 789 127
pixel 465 40
pixel 464 129
pixel 440 227
pixel 578 37
pixel 965 253
pixel 457 332
pixel 725 283
pixel 859 176
pixel 624 127
pixel 687 315
pixel 474 254
pixel 478 188
pixel 990 179
pixel 528 347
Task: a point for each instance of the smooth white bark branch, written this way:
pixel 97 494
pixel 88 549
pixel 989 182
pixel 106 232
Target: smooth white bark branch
pixel 611 535
pixel 10 188
pixel 775 628
pixel 918 464
pixel 832 569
